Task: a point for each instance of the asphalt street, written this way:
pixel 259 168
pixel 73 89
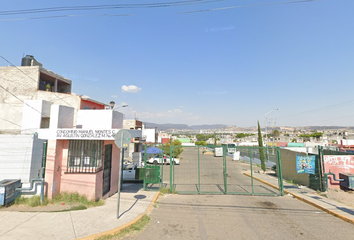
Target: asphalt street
pixel 240 217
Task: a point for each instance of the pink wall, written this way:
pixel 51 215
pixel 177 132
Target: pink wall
pixel 89 184
pixel 54 169
pixel 83 183
pixel 338 164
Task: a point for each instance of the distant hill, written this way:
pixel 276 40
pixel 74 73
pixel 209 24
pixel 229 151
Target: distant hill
pixel 168 126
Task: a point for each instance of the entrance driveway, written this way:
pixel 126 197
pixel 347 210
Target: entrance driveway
pixel 240 217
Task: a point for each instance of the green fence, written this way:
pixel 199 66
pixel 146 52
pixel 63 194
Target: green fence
pixel 199 170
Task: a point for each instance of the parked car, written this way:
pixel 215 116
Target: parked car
pixel 165 159
pixel 129 171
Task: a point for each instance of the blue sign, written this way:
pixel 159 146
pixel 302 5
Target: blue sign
pixel 305 164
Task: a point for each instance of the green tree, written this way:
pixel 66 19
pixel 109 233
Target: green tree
pixel 202 137
pixel 261 149
pixel 242 135
pixel 317 135
pixel 201 143
pixel 177 148
pixel 276 133
pixel 294 140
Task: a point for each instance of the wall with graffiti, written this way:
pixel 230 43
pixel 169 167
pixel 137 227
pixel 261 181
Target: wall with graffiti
pixel 338 164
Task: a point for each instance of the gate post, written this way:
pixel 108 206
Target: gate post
pixel 224 168
pixel 161 168
pixel 171 184
pixel 198 170
pixel 251 167
pixel 145 154
pixel 280 173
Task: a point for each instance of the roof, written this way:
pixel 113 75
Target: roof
pixel 53 74
pixel 87 98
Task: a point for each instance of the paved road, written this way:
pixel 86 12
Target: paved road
pixel 241 217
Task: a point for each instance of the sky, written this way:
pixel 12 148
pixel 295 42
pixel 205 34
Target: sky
pixel 234 64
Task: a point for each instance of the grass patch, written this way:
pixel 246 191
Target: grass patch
pixel 164 191
pixel 75 198
pixel 290 181
pixel 80 201
pixel 131 230
pixel 34 201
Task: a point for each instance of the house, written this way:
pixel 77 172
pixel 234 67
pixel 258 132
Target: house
pixel 33 82
pixel 70 137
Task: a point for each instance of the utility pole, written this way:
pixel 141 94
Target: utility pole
pixel 265 116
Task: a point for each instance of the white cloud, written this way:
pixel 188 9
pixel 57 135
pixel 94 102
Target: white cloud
pixel 130 88
pixel 114 96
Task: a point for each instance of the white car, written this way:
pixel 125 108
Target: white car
pixel 165 159
pixel 129 171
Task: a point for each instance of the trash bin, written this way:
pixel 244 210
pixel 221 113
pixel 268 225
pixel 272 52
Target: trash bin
pixel 236 156
pixel 8 191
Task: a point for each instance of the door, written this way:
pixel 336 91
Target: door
pixel 107 169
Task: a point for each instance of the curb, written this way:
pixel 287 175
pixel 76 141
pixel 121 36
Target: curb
pixel 344 218
pixel 118 229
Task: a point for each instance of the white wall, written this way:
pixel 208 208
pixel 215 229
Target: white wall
pixel 150 134
pixel 313 150
pixel 33 111
pixel 20 157
pixel 61 117
pixel 99 119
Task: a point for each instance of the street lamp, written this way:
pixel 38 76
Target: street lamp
pixel 126 105
pixel 111 104
pixel 265 116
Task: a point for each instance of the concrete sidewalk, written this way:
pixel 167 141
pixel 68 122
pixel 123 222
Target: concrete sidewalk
pixel 77 224
pixel 309 196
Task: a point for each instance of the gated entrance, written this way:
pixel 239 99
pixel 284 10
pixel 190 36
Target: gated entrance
pixel 201 170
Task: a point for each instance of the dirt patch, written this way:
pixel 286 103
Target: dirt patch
pixel 343 196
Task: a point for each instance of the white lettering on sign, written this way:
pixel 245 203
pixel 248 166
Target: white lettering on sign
pixel 85 134
pixel 341 161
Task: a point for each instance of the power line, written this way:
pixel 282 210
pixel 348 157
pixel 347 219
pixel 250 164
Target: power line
pixel 341 104
pixel 111 6
pixel 55 94
pixel 330 119
pixel 251 5
pixel 9 122
pixel 23 101
pixel 64 16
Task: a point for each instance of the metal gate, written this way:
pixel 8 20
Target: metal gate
pixel 107 169
pixel 211 170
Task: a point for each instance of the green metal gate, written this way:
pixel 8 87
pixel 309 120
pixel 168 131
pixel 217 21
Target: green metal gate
pixel 202 171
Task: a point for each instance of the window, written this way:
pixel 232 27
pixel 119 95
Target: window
pixel 85 156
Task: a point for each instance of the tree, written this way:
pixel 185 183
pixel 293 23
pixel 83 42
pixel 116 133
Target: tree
pixel 276 133
pixel 201 143
pixel 176 149
pixel 202 137
pixel 261 150
pixel 317 135
pixel 294 140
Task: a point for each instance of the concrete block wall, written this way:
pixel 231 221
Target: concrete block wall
pixel 20 157
pixel 21 82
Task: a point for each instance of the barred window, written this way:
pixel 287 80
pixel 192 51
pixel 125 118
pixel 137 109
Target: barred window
pixel 85 156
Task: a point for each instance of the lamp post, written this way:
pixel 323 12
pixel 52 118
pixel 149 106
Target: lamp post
pixel 126 105
pixel 111 104
pixel 265 116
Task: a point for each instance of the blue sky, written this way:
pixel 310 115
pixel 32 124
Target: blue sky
pixel 226 66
